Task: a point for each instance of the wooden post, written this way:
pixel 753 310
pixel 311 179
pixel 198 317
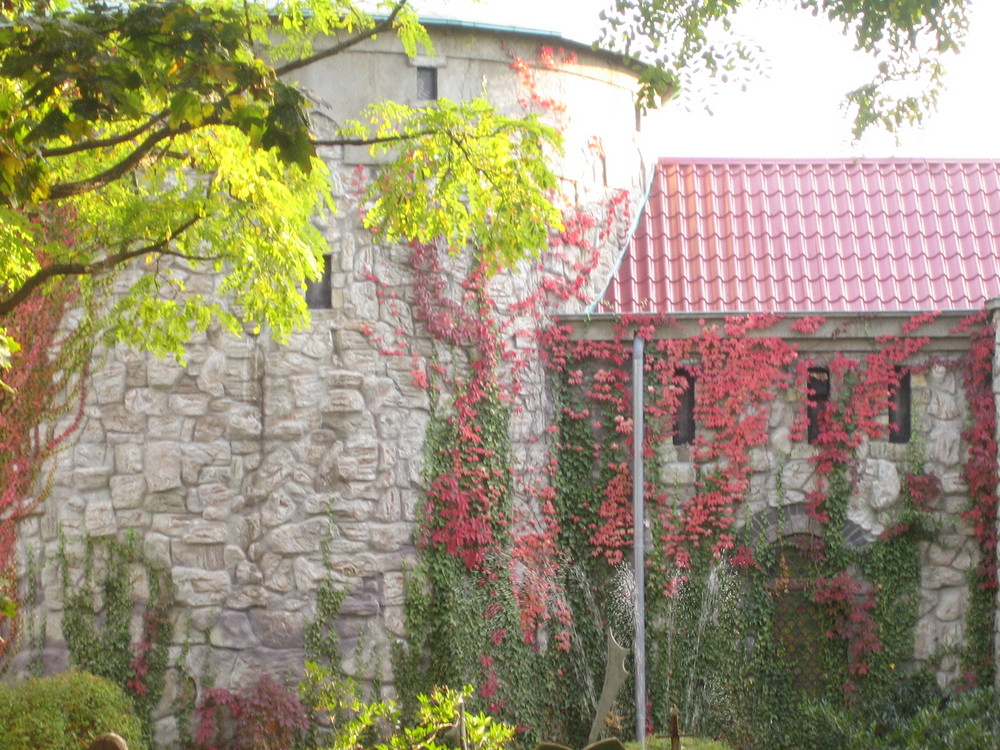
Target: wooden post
pixel 675 729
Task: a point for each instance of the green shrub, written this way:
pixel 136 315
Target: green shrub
pixel 65 712
pixel 969 721
pixel 820 725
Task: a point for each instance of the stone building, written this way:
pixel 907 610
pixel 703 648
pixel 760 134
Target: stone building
pixel 858 248
pixel 235 469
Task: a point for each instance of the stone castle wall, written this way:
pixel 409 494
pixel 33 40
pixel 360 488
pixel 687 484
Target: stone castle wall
pixel 235 469
pixel 783 475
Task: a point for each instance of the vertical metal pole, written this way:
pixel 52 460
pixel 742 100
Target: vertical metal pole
pixel 638 540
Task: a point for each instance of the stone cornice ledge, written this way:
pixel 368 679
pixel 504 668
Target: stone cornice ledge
pixel 840 331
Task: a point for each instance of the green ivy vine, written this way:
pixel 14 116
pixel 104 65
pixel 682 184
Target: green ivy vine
pixel 100 611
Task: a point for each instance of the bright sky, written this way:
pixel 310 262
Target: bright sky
pixel 796 111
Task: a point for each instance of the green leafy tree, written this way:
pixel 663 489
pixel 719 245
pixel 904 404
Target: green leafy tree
pixel 142 141
pixel 906 40
pixel 164 131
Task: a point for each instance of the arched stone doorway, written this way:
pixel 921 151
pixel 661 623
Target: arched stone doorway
pixel 799 625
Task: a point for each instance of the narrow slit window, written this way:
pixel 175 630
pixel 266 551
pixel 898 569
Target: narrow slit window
pixel 899 408
pixel 684 427
pixel 319 293
pixel 427 83
pixel 819 394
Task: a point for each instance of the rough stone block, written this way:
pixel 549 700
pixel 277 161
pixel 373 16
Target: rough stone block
pixel 940 556
pixel 162 460
pixel 279 574
pixel 880 484
pixel 168 427
pixel 298 538
pixel 346 379
pixel 92 479
pixel 951 604
pixel 107 385
pixel 200 588
pixel 307 390
pixel 350 510
pixel 393 592
pixel 145 401
pixel 308 574
pixel 360 605
pixel 278 509
pixel 248 574
pixel 341 401
pixel 205 532
pixel 163 373
pixel 204 556
pixel 244 424
pixel 392 537
pixel 171 501
pixel 209 428
pixel 99 519
pixel 941 578
pixel 173 525
pixel 395 621
pixel 211 377
pixel 92 455
pixel 233 630
pixel 128 458
pixel 278 629
pixel 189 404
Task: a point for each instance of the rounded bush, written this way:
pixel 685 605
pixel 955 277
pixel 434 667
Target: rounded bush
pixel 65 712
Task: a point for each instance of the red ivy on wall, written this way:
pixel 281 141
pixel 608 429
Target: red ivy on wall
pixel 46 382
pixel 980 467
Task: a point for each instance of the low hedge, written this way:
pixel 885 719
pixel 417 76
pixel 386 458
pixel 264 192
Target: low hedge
pixel 65 712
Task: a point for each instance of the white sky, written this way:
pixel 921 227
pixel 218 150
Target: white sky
pixel 796 111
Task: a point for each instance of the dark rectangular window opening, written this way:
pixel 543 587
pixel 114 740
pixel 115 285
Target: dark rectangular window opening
pixel 319 293
pixel 819 393
pixel 684 426
pixel 899 408
pixel 427 84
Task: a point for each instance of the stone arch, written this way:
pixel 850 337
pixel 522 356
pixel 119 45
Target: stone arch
pixel 797 623
pixel 767 527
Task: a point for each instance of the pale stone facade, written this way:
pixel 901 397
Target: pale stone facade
pixel 782 473
pixel 236 468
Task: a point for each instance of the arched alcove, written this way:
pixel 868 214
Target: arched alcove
pixel 794 543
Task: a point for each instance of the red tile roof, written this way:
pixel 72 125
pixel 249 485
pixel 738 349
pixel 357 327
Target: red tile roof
pixel 899 234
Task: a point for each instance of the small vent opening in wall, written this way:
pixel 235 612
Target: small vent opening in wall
pixel 899 408
pixel 684 427
pixel 427 83
pixel 819 394
pixel 319 294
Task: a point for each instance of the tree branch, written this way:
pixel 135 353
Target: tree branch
pixel 379 27
pixel 15 298
pixel 119 170
pixel 103 142
pixel 373 140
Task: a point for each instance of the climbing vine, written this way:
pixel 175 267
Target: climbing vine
pixel 980 474
pixel 42 390
pixel 111 628
pixel 789 503
pixel 520 576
